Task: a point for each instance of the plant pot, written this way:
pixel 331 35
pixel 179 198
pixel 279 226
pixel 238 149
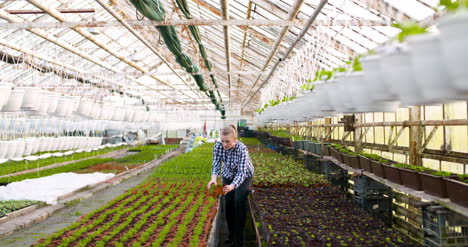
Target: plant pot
pixel 392 173
pixel 429 73
pixel 311 147
pixel 354 162
pixel 411 179
pixel 377 168
pixel 318 148
pixel 358 92
pixel 31 99
pixel 365 164
pixel 456 191
pixel 337 155
pixel 14 101
pixel 44 106
pixel 5 91
pixel 398 76
pixel 454 38
pixel 53 104
pixel 326 151
pixel 284 141
pixel 433 185
pixel 3 149
pixel 382 100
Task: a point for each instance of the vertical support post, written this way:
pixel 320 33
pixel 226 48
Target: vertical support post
pixel 415 158
pixel 328 130
pixel 357 134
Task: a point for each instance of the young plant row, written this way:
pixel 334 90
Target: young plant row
pixel 146 153
pixel 67 168
pixel 9 206
pixel 18 166
pixel 168 209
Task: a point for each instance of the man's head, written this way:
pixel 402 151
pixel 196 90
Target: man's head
pixel 229 136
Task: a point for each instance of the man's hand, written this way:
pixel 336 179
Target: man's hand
pixel 228 188
pixel 212 181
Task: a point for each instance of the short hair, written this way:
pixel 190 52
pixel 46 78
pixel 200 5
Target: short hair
pixel 229 130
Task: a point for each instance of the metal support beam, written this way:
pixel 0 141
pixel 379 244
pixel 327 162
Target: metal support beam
pixel 291 16
pixel 63 11
pixel 147 44
pixel 227 46
pixel 193 22
pixel 303 32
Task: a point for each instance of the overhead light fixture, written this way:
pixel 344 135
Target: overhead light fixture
pixel 134 56
pixel 93 30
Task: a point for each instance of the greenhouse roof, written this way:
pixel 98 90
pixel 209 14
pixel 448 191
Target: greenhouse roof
pixel 97 48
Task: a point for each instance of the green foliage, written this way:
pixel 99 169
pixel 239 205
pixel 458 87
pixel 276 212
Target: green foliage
pixel 441 173
pixel 17 166
pixel 407 29
pixel 67 168
pixel 463 178
pixel 275 102
pixel 146 153
pixel 282 133
pixel 451 5
pixel 250 141
pixel 413 168
pixel 9 206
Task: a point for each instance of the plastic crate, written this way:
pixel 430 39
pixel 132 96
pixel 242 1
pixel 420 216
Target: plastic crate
pixel 443 227
pixel 378 207
pixel 330 170
pixel 311 163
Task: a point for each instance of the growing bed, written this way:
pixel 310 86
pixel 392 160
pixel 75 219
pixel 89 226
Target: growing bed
pixel 172 208
pixel 295 207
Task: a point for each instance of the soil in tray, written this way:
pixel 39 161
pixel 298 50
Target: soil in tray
pixel 110 167
pixel 318 217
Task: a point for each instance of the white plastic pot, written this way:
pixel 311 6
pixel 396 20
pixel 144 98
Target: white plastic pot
pixel 63 107
pixel 29 147
pixel 14 101
pixel 118 114
pixel 84 107
pixel 398 75
pixel 382 100
pixel 3 149
pixel 429 72
pixel 20 147
pixel 32 98
pixel 53 104
pixel 358 93
pixel 11 149
pixel 44 106
pixel 454 40
pixel 129 114
pixel 5 91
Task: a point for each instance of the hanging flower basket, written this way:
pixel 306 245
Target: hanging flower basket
pixel 14 101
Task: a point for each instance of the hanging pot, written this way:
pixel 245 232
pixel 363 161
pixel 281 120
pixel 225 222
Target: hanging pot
pixel 29 147
pixel 20 148
pixel 381 98
pixel 53 104
pixel 63 107
pixel 36 145
pixel 429 72
pixel 14 101
pixel 5 91
pixel 11 149
pixel 398 75
pixel 84 107
pixel 129 114
pixel 44 105
pixel 359 93
pixel 454 50
pixel 3 149
pixel 31 99
pixel 118 114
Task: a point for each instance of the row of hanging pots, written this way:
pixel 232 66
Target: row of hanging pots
pixel 28 146
pixel 41 103
pixel 42 126
pixel 427 69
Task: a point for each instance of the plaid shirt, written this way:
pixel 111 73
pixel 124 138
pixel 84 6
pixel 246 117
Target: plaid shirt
pixel 236 162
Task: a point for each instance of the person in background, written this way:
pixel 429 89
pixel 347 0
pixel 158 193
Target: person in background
pixel 237 173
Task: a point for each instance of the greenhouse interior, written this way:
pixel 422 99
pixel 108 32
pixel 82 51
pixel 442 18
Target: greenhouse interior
pixel 319 122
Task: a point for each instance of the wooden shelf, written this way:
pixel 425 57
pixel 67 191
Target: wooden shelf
pixel 420 194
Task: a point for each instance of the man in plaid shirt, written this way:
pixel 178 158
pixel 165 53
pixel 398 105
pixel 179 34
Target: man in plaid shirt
pixel 237 176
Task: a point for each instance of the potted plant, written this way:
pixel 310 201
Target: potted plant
pixel 336 153
pixel 14 101
pixel 454 38
pixel 350 158
pixel 456 189
pixel 364 162
pixel 429 73
pixel 373 164
pixel 434 184
pixel 410 175
pixel 5 91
